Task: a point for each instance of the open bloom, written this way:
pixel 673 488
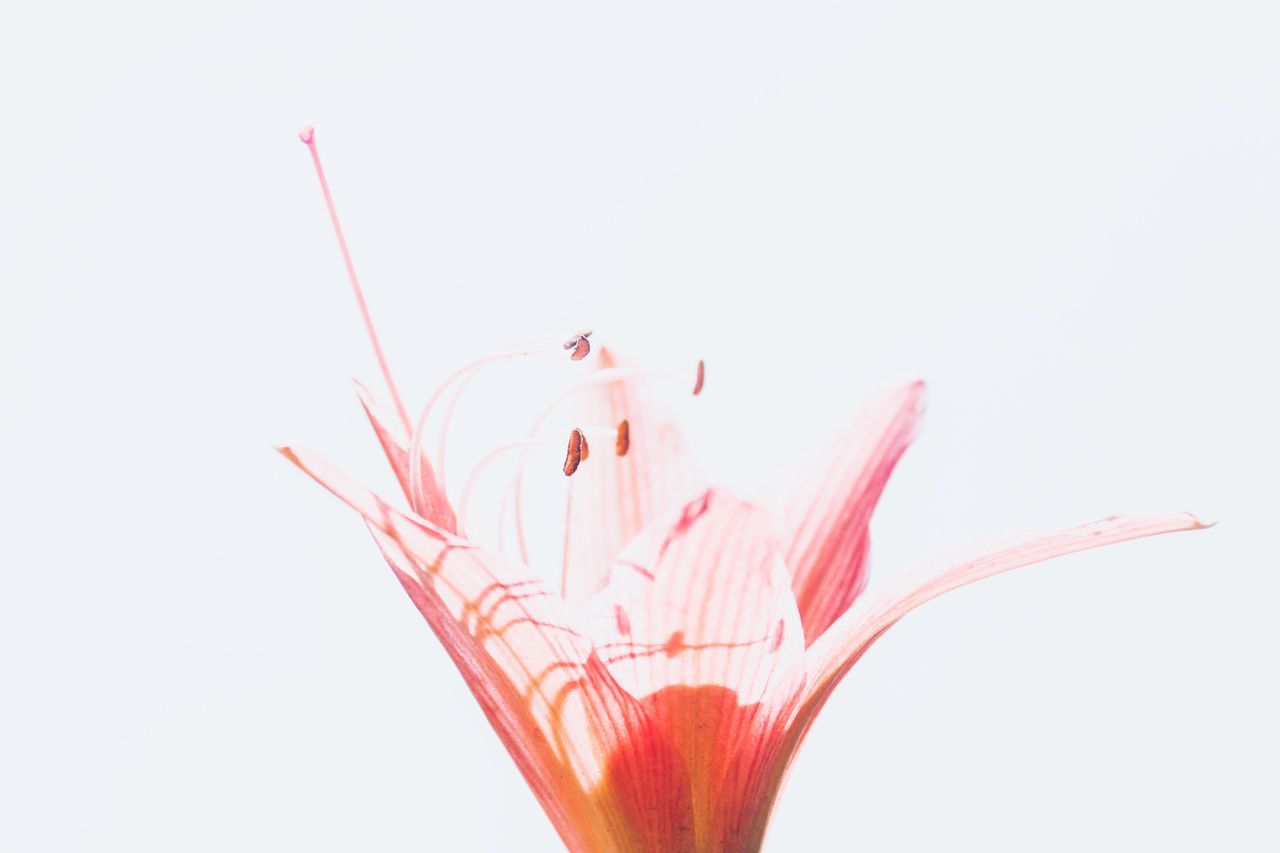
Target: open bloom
pixel 655 697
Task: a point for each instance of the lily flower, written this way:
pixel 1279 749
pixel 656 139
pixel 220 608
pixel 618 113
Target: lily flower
pixel 655 698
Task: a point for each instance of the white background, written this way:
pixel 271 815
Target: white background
pixel 1064 216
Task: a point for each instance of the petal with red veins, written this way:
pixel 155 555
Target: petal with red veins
pixel 617 497
pixel 836 651
pixel 702 597
pixel 435 507
pixel 828 507
pixel 558 710
pixel 698 620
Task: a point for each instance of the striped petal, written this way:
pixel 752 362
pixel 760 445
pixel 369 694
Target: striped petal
pixel 698 619
pixel 615 498
pixel 827 510
pixel 836 651
pixel 606 775
pixel 436 508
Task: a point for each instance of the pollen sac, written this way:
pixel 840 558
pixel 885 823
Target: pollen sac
pixel 702 375
pixel 576 452
pixel 623 443
pixel 579 345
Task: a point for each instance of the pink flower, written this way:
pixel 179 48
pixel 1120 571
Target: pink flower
pixel 655 699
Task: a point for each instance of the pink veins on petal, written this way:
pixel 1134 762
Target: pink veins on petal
pixel 655 700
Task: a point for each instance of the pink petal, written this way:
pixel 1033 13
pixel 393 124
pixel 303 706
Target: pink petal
pixel 562 716
pixel 701 598
pixel 699 620
pixel 839 648
pixel 736 755
pixel 826 513
pixel 395 445
pixel 617 497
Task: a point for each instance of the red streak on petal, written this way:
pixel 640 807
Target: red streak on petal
pixel 702 376
pixel 779 631
pixel 693 510
pixel 637 568
pixel 623 620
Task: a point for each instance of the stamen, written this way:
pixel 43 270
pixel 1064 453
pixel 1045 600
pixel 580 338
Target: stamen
pixel 474 477
pixel 622 443
pixel 524 445
pixel 442 442
pixel 565 540
pixel 576 452
pixel 609 375
pixel 514 495
pixel 308 137
pixel 463 375
pixel 580 345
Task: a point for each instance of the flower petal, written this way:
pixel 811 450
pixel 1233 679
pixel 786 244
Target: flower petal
pixel 826 513
pixel 698 620
pixel 617 497
pixel 701 598
pixel 561 715
pixel 436 508
pixel 839 648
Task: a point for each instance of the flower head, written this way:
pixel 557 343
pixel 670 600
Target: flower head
pixel 654 698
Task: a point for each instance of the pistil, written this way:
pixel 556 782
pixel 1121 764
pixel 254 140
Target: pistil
pixel 308 137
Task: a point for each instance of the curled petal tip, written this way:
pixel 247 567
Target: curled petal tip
pixel 307 134
pixel 362 391
pixel 916 387
pixel 1180 521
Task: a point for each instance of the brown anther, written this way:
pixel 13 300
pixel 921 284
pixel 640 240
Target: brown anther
pixel 576 452
pixel 702 375
pixel 623 443
pixel 580 345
